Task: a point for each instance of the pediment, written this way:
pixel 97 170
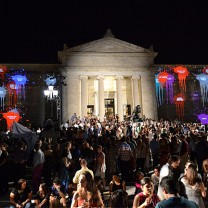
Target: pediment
pixel 108 45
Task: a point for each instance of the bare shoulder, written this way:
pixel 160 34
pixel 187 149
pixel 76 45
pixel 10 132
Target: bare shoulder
pixel 76 195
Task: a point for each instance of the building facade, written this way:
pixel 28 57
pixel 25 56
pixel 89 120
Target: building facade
pixel 108 76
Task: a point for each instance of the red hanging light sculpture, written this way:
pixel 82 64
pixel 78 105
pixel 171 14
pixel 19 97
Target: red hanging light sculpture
pixel 179 101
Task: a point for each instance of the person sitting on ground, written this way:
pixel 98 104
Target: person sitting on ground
pixel 21 195
pixel 83 169
pixel 99 185
pixel 87 194
pixel 41 199
pixel 155 177
pixel 138 177
pixel 57 193
pixel 119 199
pixel 146 198
pixel 116 184
pixel 170 188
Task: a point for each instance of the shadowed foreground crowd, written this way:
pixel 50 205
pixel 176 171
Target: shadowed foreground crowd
pixel 167 161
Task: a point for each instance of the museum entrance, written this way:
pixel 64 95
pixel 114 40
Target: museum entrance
pixel 90 110
pixel 109 107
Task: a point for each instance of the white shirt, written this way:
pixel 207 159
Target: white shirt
pixel 39 158
pixel 163 172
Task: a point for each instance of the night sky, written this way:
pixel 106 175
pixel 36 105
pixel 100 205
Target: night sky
pixel 33 32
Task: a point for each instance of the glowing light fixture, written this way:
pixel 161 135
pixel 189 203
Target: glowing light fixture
pixel 50 93
pixel 203 118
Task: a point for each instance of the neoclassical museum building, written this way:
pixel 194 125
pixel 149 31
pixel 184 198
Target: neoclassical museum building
pixel 103 77
pixel 108 76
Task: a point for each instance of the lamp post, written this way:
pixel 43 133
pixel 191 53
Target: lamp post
pixel 51 95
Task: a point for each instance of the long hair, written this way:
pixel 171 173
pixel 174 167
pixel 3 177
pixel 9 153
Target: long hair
pixel 119 199
pixel 44 188
pixel 90 182
pixel 192 174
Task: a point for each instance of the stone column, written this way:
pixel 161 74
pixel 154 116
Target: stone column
pixel 73 91
pixel 149 102
pixel 83 96
pixel 119 97
pixel 101 97
pixel 135 91
pixel 96 110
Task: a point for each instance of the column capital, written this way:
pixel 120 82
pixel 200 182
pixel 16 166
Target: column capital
pixel 135 77
pixel 119 77
pixel 100 77
pixel 83 77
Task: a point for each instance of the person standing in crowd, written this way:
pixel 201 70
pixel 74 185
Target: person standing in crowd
pixel 192 147
pixel 19 159
pixel 170 189
pixel 56 157
pixel 88 154
pixel 100 164
pixel 146 198
pixel 154 147
pixel 148 158
pixel 155 177
pixel 21 195
pixel 3 169
pixel 201 151
pixel 141 153
pixel 87 195
pixel 73 118
pixel 38 164
pixel 111 157
pixel 48 165
pixel 124 154
pixel 195 189
pixel 168 169
pixel 3 124
pixel 164 147
pixel 68 147
pixel 183 151
pixel 48 124
pixel 174 145
pixel 83 169
pixel 64 169
pixel 185 170
pixel 205 173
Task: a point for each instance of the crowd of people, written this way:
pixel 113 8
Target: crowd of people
pixel 167 160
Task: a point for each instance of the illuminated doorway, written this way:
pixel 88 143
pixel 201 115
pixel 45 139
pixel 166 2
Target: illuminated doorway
pixel 109 107
pixel 90 110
